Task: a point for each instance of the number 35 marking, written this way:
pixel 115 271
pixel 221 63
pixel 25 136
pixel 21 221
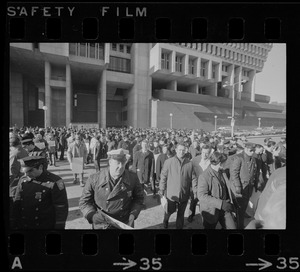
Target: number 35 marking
pixel 156 264
pixel 293 263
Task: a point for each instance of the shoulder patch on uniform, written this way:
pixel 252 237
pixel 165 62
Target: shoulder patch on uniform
pixel 60 184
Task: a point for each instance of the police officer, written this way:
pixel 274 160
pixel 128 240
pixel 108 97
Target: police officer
pixel 114 191
pixel 243 176
pixel 41 199
pixel 31 148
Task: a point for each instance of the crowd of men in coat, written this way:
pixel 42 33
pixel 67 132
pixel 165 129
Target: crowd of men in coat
pixel 194 166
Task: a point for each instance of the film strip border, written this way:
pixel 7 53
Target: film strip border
pixel 176 250
pixel 150 22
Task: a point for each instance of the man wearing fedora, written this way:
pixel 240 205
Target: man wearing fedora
pixel 113 191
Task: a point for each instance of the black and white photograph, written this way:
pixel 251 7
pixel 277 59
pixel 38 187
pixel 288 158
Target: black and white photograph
pixel 147 136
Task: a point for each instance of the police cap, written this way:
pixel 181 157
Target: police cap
pixel 29 162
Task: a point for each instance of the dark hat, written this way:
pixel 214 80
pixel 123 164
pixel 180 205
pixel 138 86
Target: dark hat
pixel 119 154
pixel 250 145
pixel 27 138
pixel 29 162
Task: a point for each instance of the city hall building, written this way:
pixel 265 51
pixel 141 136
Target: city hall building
pixel 139 84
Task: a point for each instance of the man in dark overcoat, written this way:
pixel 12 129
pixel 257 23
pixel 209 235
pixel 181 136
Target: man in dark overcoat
pixel 114 191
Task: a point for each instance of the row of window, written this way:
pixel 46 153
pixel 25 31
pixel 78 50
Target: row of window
pixel 251 48
pixel 120 47
pixel 119 64
pixel 87 50
pixel 230 54
pixel 165 64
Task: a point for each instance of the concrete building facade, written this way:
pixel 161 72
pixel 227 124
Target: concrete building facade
pixel 138 84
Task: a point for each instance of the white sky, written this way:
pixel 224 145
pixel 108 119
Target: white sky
pixel 272 80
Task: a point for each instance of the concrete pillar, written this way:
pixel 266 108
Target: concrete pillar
pixel 198 66
pixel 48 96
pixel 230 78
pixel 239 79
pixel 172 60
pixel 193 88
pixel 219 72
pixel 252 76
pixel 208 68
pixel 68 95
pixel 186 65
pixel 103 99
pixel 172 85
pixel 106 53
pixel 154 113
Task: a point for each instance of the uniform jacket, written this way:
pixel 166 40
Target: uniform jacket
pixel 126 197
pixel 210 192
pixel 41 203
pixel 143 165
pixel 243 170
pixel 176 179
pixel 75 151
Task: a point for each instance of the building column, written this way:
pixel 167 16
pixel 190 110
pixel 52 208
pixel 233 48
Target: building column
pixel 68 95
pixel 48 96
pixel 172 85
pixel 230 78
pixel 198 67
pixel 208 68
pixel 106 52
pixel 239 86
pixel 186 65
pixel 154 113
pixel 173 55
pixel 219 72
pixel 103 99
pixel 252 84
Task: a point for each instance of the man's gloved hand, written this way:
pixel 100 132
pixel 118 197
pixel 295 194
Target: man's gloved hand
pixel 226 206
pixel 96 218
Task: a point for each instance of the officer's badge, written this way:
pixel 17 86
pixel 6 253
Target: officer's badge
pixel 38 195
pixel 129 193
pixel 60 184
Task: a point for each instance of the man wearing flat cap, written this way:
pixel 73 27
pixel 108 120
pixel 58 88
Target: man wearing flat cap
pixel 114 191
pixel 243 176
pixel 41 199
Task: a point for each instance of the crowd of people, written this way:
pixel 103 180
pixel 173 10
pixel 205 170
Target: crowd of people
pixel 181 165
